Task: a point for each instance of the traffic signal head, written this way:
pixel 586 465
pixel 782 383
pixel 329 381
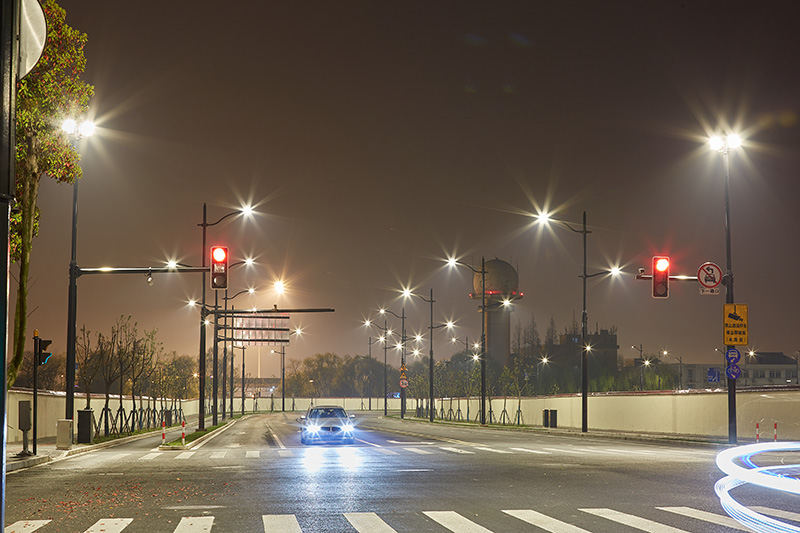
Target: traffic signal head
pixel 219 267
pixel 660 276
pixel 39 349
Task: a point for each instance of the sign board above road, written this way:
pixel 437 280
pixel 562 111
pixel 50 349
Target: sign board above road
pixel 261 329
pixel 734 325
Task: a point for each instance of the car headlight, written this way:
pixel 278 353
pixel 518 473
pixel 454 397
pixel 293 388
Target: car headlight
pixel 313 428
pixel 348 428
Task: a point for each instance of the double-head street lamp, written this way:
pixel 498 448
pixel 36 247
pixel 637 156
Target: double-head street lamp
pixel 402 346
pixel 452 262
pixel 384 339
pixel 246 211
pixel 585 348
pixel 75 131
pixel 407 294
pixel 723 145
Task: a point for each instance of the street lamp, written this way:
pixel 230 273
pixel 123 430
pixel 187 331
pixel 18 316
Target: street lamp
pixel 723 145
pixel 246 211
pixel 584 317
pixel 402 345
pixel 407 293
pixel 665 353
pixel 453 262
pixel 384 339
pixel 75 131
pixel 282 351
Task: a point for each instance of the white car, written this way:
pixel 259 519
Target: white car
pixel 326 423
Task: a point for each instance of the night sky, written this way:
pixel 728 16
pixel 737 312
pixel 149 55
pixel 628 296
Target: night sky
pixel 375 139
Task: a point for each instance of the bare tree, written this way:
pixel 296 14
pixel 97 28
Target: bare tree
pixel 89 362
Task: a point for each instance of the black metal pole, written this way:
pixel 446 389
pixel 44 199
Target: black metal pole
pixel 483 341
pixel 385 370
pixel 36 350
pixel 243 358
pixel 584 347
pixel 431 409
pixel 214 370
pixel 224 354
pixel 72 308
pixel 732 431
pixel 403 360
pixel 283 379
pixel 201 425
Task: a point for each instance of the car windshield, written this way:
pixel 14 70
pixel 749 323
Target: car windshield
pixel 328 412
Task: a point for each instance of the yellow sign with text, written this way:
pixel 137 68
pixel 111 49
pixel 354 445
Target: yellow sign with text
pixel 734 325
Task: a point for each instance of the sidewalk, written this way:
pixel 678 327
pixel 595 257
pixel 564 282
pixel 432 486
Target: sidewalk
pixel 46 448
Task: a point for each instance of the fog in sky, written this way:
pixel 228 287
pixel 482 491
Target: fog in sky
pixel 375 139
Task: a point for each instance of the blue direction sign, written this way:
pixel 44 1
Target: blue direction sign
pixel 733 371
pixel 713 375
pixel 732 356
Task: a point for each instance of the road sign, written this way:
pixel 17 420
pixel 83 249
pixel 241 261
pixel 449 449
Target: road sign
pixel 734 325
pixel 713 375
pixel 732 356
pixel 733 371
pixel 403 383
pixel 710 277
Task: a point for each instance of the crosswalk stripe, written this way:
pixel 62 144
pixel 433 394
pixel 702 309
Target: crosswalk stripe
pixel 150 456
pixel 117 456
pixel 184 455
pixel 218 455
pixel 705 516
pixel 495 450
pixel 788 515
pixel 545 522
pixel 253 454
pixel 368 523
pixel 285 523
pixel 564 450
pixel 530 451
pixel 195 524
pixel 637 522
pixel 285 453
pixel 455 450
pixel 387 451
pixel 25 526
pixel 417 450
pixel 455 522
pixel 110 525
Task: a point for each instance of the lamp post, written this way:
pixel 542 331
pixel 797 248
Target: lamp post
pixel 201 425
pixel 282 351
pixel 402 317
pixel 723 146
pixel 76 132
pixel 665 353
pixel 452 262
pixel 226 299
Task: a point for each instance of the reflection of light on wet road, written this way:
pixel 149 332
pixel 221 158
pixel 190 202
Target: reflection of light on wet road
pixel 347 458
pixel 771 477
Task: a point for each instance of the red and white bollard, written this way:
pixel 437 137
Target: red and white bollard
pixel 775 438
pixel 757 433
pixel 163 432
pixel 183 433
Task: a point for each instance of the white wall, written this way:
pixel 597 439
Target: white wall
pixel 696 413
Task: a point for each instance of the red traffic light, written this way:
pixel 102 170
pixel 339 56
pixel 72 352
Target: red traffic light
pixel 660 276
pixel 219 267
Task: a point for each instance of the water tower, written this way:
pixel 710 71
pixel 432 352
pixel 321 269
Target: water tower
pixel 501 287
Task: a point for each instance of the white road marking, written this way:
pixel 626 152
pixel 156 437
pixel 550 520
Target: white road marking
pixel 150 456
pixel 253 454
pixel 455 522
pixel 218 455
pixel 788 515
pixel 545 522
pixel 530 451
pixel 285 453
pixel 387 451
pixel 705 516
pixel 368 523
pixel 110 525
pixel 195 524
pixel 184 455
pixel 285 523
pixel 408 442
pixel 455 450
pixel 25 526
pixel 417 450
pixel 487 449
pixel 632 521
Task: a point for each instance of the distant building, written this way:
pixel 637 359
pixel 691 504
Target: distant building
pixel 603 349
pixel 758 370
pixel 501 288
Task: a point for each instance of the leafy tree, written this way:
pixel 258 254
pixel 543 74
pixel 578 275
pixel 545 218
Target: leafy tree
pixel 51 92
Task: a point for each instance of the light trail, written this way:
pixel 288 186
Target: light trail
pixel 770 477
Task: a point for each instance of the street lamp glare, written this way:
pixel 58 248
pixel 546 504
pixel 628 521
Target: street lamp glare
pixel 280 287
pixel 615 271
pixel 86 129
pixel 418 338
pixel 247 210
pixel 69 126
pixel 367 323
pixel 715 142
pixel 450 325
pixel 406 293
pixel 734 141
pixel 192 303
pixel 451 262
pixel 172 264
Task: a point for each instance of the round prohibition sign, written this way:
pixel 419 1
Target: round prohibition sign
pixel 709 275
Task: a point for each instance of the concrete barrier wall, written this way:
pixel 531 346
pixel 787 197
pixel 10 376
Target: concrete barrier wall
pixel 698 413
